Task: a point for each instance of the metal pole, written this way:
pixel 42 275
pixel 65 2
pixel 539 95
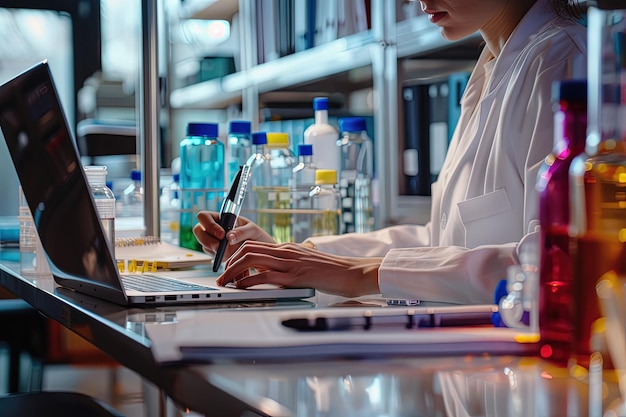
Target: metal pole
pixel 385 81
pixel 149 117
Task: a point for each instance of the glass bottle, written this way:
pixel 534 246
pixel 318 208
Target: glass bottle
pixel 303 180
pixel 323 137
pixel 105 201
pixel 201 177
pixel 325 204
pixel 273 195
pixel 239 146
pixel 132 196
pixel 598 177
pixel 357 169
pixel 170 211
pixel 555 276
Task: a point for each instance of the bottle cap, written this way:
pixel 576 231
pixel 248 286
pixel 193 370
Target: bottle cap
pixel 259 138
pixel 569 90
pixel 325 176
pixel 135 175
pixel 176 177
pixel 352 124
pixel 277 140
pixel 240 126
pixel 305 150
pixel 320 103
pixel 202 129
pixel 96 174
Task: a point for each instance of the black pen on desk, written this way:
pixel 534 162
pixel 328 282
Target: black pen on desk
pixel 228 217
pixel 369 320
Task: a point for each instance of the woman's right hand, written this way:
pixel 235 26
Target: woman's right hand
pixel 209 233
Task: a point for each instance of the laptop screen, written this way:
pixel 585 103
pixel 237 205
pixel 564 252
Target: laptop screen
pixel 48 166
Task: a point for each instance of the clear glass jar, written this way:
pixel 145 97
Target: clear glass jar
pixel 325 203
pixel 357 169
pixel 239 146
pixel 105 201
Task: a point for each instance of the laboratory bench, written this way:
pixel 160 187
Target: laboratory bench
pixel 389 385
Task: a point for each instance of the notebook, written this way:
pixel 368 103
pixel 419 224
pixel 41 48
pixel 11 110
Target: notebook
pixel 48 166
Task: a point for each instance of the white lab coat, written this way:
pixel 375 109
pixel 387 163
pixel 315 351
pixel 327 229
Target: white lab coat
pixel 484 201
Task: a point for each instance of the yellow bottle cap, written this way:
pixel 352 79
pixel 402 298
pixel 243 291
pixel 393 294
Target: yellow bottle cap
pixel 325 176
pixel 277 140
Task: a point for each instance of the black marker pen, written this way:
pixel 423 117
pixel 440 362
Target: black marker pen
pixel 228 218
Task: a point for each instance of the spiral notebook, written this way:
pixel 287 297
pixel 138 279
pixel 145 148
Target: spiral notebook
pixel 149 252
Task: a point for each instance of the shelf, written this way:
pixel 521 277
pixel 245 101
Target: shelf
pixel 209 9
pixel 416 38
pixel 304 67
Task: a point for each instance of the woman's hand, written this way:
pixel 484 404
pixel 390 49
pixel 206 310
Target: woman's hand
pixel 293 265
pixel 209 233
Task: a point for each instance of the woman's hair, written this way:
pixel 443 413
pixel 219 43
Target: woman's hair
pixel 570 9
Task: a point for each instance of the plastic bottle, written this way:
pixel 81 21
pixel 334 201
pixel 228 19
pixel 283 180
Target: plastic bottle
pixel 239 146
pixel 597 178
pixel 132 197
pixel 326 204
pixel 323 137
pixel 555 276
pixel 357 169
pixel 272 188
pixel 105 201
pixel 170 211
pixel 303 180
pixel 201 177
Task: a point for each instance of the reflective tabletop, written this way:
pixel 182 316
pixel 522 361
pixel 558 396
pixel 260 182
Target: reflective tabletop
pixel 470 385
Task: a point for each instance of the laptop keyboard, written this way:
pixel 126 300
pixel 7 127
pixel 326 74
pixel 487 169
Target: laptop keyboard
pixel 156 283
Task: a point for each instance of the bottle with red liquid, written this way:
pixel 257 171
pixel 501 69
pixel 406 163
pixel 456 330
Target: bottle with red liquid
pixel 598 178
pixel 555 277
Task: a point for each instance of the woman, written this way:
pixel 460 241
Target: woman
pixel 484 202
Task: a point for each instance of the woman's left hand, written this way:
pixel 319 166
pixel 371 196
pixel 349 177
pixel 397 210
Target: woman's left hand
pixel 296 266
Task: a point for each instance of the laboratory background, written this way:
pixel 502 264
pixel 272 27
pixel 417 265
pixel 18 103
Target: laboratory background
pixel 353 102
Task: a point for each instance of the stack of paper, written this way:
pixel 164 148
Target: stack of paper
pixel 334 332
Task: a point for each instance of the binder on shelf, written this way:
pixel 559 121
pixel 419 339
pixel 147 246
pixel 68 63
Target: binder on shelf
pixel 457 82
pixel 416 146
pixel 286 32
pixel 431 112
pixel 267 37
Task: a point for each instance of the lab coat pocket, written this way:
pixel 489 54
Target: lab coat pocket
pixel 487 219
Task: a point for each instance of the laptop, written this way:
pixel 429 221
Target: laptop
pixel 48 166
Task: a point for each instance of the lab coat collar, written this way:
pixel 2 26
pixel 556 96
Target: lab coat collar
pixel 537 17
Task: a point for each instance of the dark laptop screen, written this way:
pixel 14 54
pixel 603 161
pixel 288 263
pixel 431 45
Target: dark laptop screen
pixel 48 166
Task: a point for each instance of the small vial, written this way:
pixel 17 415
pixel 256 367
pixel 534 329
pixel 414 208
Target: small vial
pixel 105 201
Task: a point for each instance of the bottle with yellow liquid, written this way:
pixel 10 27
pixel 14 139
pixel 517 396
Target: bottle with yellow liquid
pixel 598 177
pixel 325 213
pixel 271 187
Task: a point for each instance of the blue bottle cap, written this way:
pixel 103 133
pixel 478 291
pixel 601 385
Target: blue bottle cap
pixel 135 175
pixel 320 103
pixel 259 138
pixel 305 150
pixel 352 124
pixel 569 90
pixel 202 129
pixel 176 177
pixel 240 126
